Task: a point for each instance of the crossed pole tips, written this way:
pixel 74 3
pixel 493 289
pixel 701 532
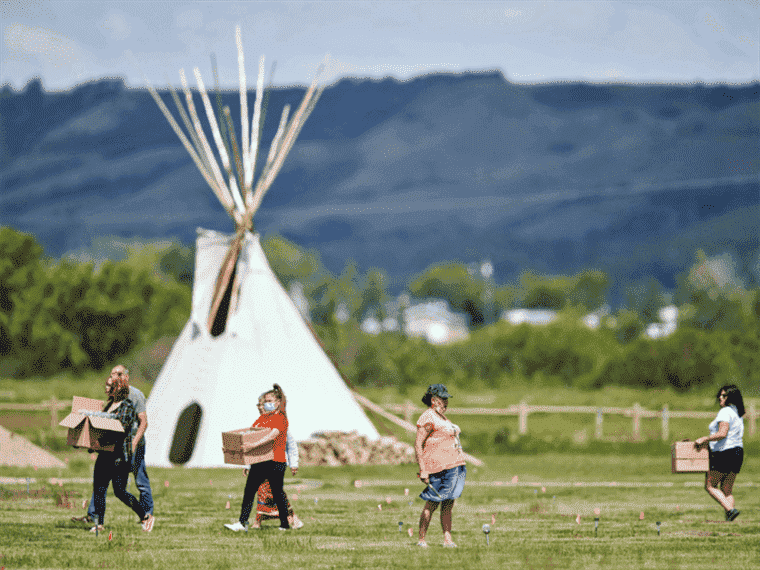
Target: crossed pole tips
pixel 232 181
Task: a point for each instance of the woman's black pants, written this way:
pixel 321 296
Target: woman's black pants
pixel 274 472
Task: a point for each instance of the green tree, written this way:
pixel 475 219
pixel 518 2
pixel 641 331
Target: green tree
pixel 292 263
pixel 374 293
pixel 544 292
pixel 20 268
pixel 457 285
pixel 178 261
pixel 713 295
pixel 646 298
pixel 590 290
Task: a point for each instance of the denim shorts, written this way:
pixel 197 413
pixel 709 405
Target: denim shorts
pixel 449 484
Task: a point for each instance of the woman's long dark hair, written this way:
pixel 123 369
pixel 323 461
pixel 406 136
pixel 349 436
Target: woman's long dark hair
pixel 733 396
pixel 120 392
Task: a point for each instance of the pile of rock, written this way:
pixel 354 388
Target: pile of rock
pixel 339 448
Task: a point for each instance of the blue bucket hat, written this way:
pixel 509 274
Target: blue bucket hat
pixel 435 390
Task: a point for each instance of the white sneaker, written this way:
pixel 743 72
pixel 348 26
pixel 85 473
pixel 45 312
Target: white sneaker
pixel 297 523
pixel 148 522
pixel 235 526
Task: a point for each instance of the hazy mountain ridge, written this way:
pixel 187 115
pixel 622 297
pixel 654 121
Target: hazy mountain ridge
pixel 403 174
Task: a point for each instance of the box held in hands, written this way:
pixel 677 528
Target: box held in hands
pixel 238 446
pixel 686 458
pixel 89 430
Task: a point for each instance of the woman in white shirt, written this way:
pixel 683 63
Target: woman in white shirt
pixel 726 448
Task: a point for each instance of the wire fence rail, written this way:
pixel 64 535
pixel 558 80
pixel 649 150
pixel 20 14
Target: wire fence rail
pixel 636 413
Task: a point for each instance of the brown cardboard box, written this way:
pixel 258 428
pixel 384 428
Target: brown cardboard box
pixel 88 431
pixel 234 442
pixel 685 458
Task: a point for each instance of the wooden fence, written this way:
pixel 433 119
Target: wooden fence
pixel 52 406
pixel 636 413
pixel 521 410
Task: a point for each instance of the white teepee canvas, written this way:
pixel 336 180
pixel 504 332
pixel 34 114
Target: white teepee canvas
pixel 265 341
pixel 244 332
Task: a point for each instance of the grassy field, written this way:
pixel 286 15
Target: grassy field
pixel 348 526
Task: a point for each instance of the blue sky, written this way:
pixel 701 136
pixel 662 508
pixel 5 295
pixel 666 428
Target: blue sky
pixel 70 42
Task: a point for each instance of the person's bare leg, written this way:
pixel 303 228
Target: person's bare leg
pixel 727 487
pixel 446 507
pixel 427 514
pixel 712 480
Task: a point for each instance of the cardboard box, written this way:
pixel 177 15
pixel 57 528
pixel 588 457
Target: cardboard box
pixel 686 458
pixel 90 432
pixel 236 444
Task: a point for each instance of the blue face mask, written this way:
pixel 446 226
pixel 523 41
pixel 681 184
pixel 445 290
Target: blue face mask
pixel 270 406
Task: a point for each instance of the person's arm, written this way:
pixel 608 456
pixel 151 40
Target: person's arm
pixel 717 436
pixel 291 451
pixel 142 425
pixel 423 432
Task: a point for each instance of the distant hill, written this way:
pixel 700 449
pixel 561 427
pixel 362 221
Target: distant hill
pixel 554 178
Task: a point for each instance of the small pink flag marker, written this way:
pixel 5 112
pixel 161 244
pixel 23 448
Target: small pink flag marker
pixel 597 511
pixel 641 516
pixel 514 480
pixel 379 507
pixel 409 530
pixel 166 484
pixel 543 489
pixel 227 506
pixel 578 519
pixel 406 492
pixel 210 482
pixel 388 500
pixel 295 497
pixel 110 535
pixel 493 519
pixel 357 484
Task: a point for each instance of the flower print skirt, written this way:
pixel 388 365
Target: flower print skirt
pixel 448 483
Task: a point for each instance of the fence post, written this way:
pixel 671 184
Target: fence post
pixel 636 421
pixel 523 418
pixel 53 413
pixel 665 423
pixel 599 420
pixel 408 410
pixel 752 418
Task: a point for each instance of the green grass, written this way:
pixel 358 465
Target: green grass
pixel 345 529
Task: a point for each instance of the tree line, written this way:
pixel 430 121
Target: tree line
pixel 67 315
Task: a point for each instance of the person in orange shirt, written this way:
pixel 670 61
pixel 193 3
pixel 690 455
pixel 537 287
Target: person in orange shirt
pixel 266 508
pixel 274 417
pixel 441 461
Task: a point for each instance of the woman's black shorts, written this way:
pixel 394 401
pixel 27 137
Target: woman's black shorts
pixel 727 461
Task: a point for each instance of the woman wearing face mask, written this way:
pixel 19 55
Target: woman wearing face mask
pixel 726 448
pixel 266 508
pixel 441 461
pixel 273 471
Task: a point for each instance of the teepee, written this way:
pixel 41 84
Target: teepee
pixel 244 332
